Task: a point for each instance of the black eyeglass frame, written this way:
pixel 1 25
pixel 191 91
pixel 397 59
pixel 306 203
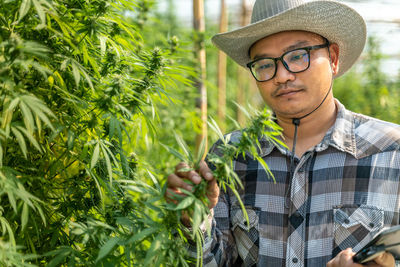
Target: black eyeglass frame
pixel 307 48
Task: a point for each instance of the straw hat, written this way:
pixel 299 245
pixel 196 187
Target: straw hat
pixel 335 21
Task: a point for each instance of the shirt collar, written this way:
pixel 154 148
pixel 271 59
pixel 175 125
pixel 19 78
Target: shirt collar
pixel 340 135
pixel 352 133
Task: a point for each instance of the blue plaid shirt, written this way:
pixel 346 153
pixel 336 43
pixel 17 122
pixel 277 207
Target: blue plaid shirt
pixel 345 190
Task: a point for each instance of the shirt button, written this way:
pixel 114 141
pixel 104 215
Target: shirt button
pixel 295 260
pixel 346 221
pixel 371 225
pixel 297 214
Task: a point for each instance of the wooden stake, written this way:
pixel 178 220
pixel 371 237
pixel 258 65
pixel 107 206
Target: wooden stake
pixel 221 78
pixel 199 29
pixel 243 77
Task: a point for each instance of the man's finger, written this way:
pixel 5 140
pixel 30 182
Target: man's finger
pixel 212 189
pixel 385 260
pixel 182 170
pixel 344 259
pixel 205 171
pixel 176 182
pixel 171 195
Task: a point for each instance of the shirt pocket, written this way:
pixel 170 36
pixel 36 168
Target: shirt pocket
pixel 355 225
pixel 246 236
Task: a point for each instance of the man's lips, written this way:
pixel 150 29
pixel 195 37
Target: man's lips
pixel 287 92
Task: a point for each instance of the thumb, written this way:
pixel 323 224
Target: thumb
pixel 385 260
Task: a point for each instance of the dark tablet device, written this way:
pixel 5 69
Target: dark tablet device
pixel 387 240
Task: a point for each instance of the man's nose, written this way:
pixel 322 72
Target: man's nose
pixel 283 75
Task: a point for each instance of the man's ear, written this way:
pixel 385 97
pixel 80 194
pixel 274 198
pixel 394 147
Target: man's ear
pixel 334 53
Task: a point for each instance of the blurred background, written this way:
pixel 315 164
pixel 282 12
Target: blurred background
pixel 371 87
pixel 382 17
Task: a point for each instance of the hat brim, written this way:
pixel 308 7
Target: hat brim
pixel 337 22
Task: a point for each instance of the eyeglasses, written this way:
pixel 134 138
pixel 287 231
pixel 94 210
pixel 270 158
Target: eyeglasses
pixel 295 61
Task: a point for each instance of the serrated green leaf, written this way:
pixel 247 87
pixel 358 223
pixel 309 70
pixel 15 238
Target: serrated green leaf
pixel 187 169
pixel 110 153
pixel 76 74
pixel 61 255
pixel 38 125
pixel 20 140
pixel 39 209
pixel 155 181
pixel 6 227
pixel 92 62
pixel 235 122
pixel 112 126
pixel 7 116
pixel 108 163
pixel 30 137
pixel 154 249
pixel 1 155
pixel 38 108
pixel 44 118
pixel 142 235
pixel 182 144
pixel 70 140
pixel 244 110
pixel 244 211
pixel 40 11
pixel 186 192
pixel 13 104
pixel 265 167
pixel 175 153
pixel 87 78
pixel 185 203
pixel 24 216
pixel 95 156
pixel 214 126
pixel 107 247
pixel 201 151
pixel 197 215
pixel 24 8
pixel 27 117
pixel 103 45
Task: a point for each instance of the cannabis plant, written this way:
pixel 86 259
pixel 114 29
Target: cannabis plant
pixel 76 81
pixel 261 126
pixel 80 89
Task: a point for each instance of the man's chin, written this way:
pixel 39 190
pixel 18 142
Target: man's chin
pixel 290 112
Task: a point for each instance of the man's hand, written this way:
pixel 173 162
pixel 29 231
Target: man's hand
pixel 179 180
pixel 345 259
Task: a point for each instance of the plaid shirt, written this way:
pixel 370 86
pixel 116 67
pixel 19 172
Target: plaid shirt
pixel 345 190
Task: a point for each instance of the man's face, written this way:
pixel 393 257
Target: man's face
pixel 292 95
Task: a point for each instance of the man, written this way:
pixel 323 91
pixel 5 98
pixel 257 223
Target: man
pixel 337 183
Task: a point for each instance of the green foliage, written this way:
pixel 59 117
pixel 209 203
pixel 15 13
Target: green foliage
pixel 228 148
pixel 370 91
pixel 261 126
pixel 79 90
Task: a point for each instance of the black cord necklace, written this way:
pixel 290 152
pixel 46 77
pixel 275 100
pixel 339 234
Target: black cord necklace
pixel 296 122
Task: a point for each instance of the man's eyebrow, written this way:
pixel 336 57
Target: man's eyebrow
pixel 296 45
pixel 299 44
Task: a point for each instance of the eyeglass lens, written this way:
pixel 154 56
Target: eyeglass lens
pixel 294 61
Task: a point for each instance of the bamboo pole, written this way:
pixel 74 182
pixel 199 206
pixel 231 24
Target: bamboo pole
pixel 200 52
pixel 221 78
pixel 242 74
